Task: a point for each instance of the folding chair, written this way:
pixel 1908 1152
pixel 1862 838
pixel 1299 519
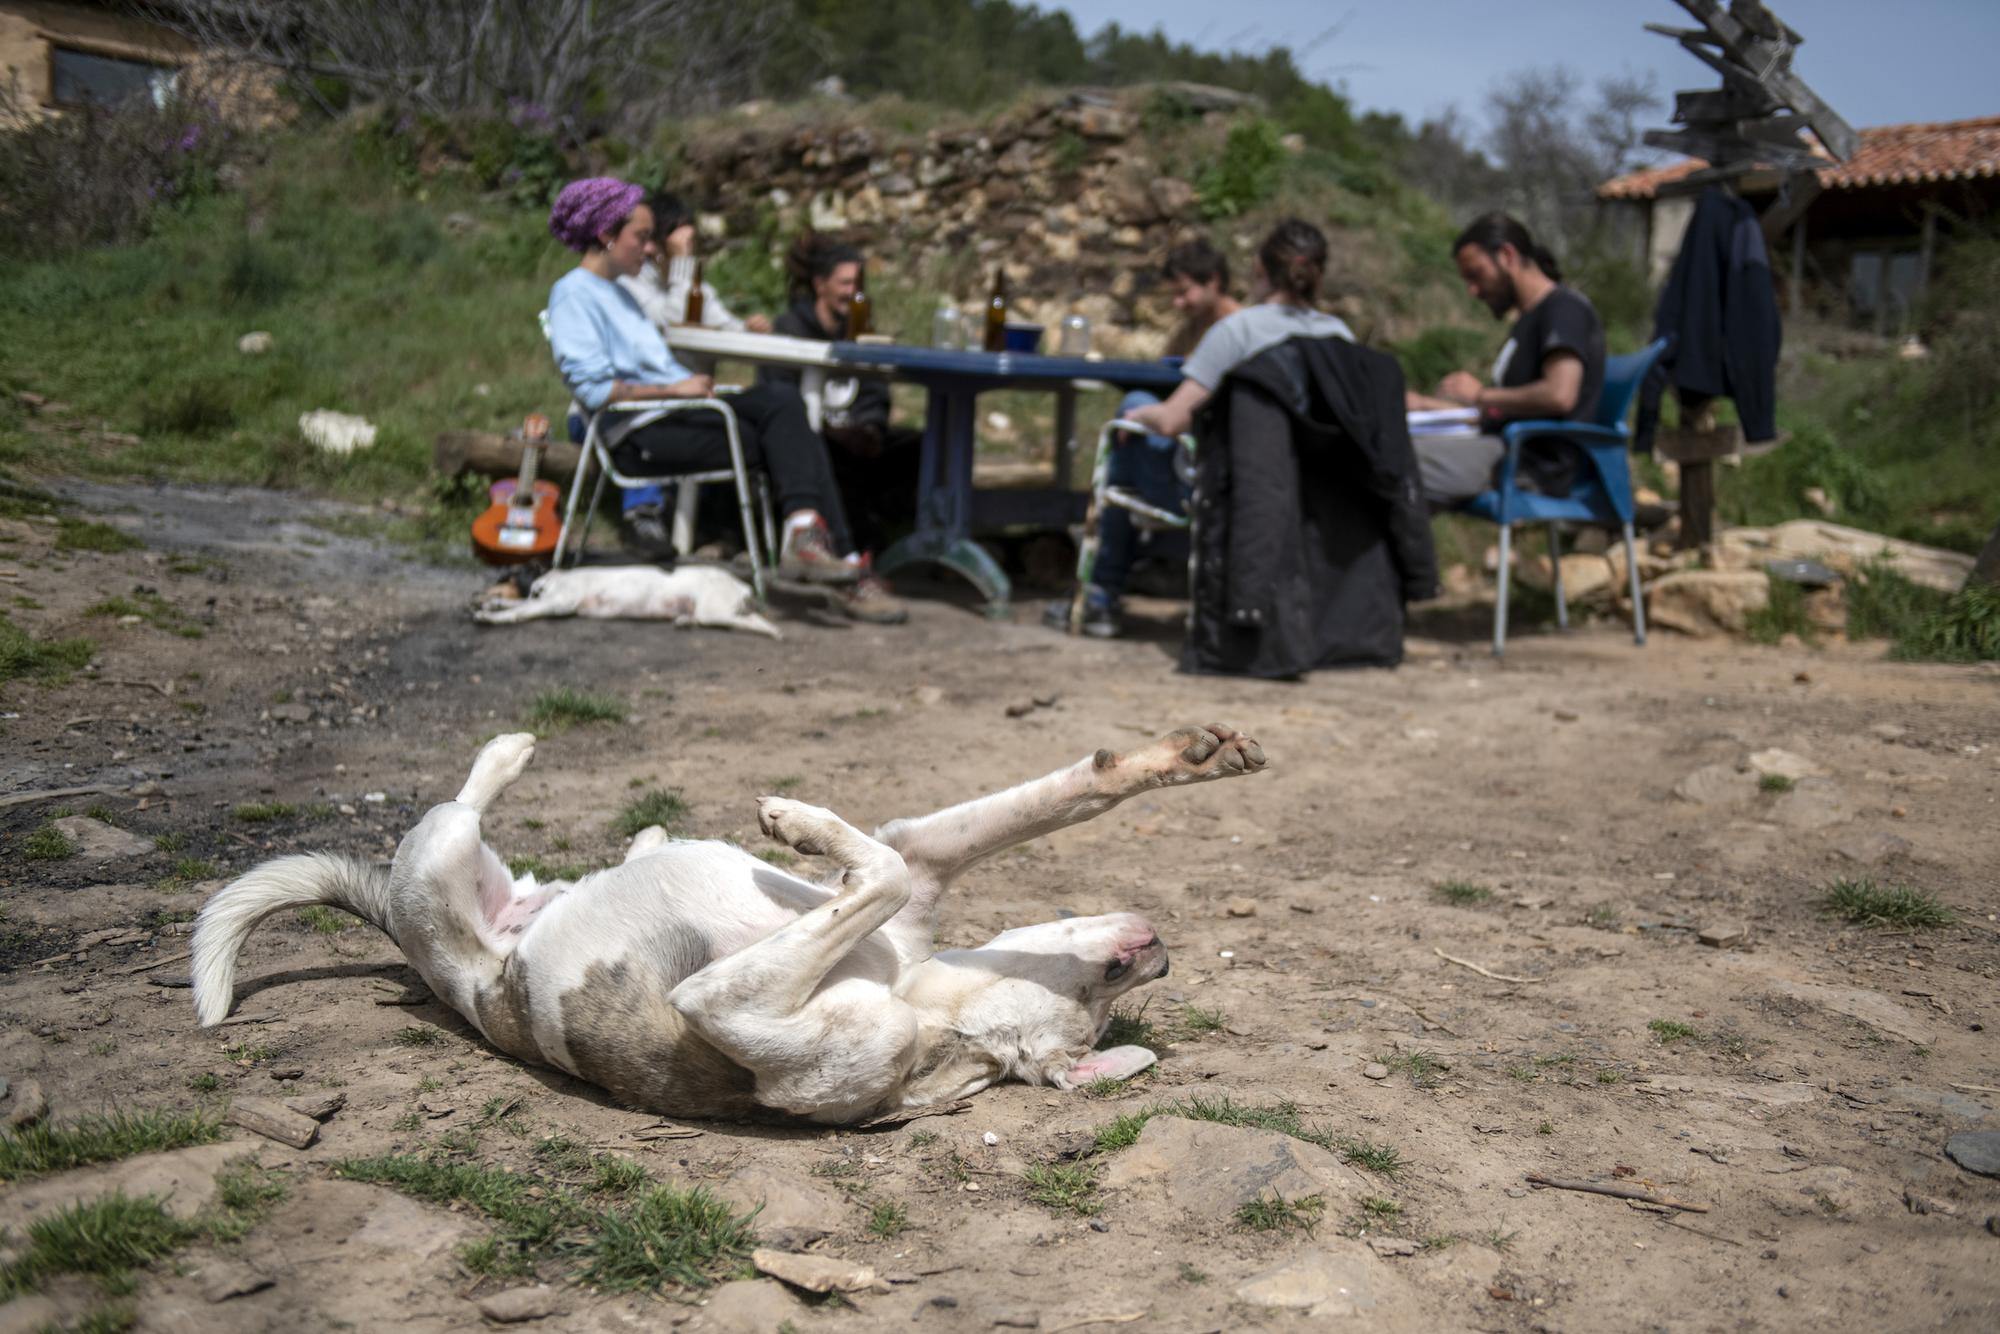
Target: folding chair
pixel 1145 515
pixel 753 498
pixel 1601 495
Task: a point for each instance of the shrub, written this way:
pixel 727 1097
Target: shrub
pixel 1249 172
pixel 98 175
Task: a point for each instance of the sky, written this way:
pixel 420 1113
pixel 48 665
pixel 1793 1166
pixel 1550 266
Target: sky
pixel 1874 63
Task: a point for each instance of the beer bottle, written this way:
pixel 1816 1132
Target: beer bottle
pixel 692 314
pixel 996 312
pixel 860 311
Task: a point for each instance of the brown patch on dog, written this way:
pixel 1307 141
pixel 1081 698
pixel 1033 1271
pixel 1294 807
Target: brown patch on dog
pixel 624 1036
pixel 1104 758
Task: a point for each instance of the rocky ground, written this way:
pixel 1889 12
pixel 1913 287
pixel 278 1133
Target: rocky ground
pixel 1649 993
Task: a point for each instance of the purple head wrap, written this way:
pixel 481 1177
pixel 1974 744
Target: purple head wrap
pixel 587 209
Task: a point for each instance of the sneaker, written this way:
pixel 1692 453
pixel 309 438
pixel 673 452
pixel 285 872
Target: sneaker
pixel 646 530
pixel 870 600
pixel 807 557
pixel 1100 614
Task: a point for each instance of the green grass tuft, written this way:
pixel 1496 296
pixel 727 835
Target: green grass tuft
pixel 1279 1214
pixel 105 1238
pixel 662 806
pixel 562 708
pixel 1462 893
pixel 415 1036
pixel 48 844
pixel 1122 1133
pixel 261 812
pixel 245 1191
pixel 888 1219
pixel 1381 1159
pixel 326 921
pixel 1775 783
pixel 684 1237
pixel 47 660
pixel 1783 613
pixel 1672 1030
pixel 89 535
pixel 1195 1021
pixel 1866 903
pixel 1127 1028
pixel 60 1146
pixel 1064 1187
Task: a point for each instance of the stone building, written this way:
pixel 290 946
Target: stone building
pixel 60 55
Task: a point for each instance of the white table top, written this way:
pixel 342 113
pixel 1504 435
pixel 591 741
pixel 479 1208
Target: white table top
pixel 775 349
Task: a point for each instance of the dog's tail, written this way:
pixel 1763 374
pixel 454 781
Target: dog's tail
pixel 287 882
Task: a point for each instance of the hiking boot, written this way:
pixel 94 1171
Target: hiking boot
pixel 870 600
pixel 807 557
pixel 1100 614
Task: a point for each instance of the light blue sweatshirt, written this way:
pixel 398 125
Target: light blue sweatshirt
pixel 600 336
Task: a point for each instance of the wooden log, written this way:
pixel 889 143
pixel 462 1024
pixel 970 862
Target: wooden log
pixel 318 1107
pixel 1698 446
pixel 274 1120
pixel 491 454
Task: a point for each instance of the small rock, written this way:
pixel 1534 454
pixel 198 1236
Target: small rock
pixel 28 1105
pixel 318 1108
pixel 1374 1070
pixel 255 344
pixel 227 1278
pixel 30 1314
pixel 97 841
pixel 1974 1150
pixel 288 1074
pixel 1017 1320
pixel 928 695
pixel 1567 715
pixel 1387 1246
pixel 519 1304
pixel 814 1273
pixel 336 432
pixel 1241 907
pixel 1517 1193
pixel 1927 1204
pixel 1722 937
pixel 1099 1225
pixel 1783 764
pixel 290 713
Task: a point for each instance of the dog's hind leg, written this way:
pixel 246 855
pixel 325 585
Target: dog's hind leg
pixel 501 761
pixel 936 848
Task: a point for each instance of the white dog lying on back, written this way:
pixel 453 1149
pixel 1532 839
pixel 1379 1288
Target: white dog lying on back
pixel 689 595
pixel 697 980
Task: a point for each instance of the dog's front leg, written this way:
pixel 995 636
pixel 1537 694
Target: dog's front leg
pixel 936 848
pixel 829 1053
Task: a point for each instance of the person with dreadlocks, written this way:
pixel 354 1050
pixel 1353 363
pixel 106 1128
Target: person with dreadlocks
pixel 607 351
pixel 874 460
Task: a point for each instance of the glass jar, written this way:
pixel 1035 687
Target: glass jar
pixel 1075 340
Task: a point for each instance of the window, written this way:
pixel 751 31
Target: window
pixel 80 78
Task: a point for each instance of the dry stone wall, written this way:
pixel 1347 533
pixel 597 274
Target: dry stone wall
pixel 1064 192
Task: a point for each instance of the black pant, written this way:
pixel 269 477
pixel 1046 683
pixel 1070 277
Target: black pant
pixel 771 422
pixel 876 468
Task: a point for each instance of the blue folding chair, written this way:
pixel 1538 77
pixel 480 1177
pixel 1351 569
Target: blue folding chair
pixel 1602 493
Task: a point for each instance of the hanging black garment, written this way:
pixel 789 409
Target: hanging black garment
pixel 1310 529
pixel 1719 311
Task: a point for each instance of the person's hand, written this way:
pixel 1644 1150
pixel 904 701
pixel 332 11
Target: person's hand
pixel 1149 417
pixel 695 386
pixel 680 241
pixel 1460 387
pixel 758 324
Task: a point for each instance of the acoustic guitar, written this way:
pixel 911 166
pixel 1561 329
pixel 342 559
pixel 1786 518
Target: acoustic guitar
pixel 521 524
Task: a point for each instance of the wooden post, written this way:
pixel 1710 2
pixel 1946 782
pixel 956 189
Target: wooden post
pixel 1695 445
pixel 1929 250
pixel 1986 570
pixel 1796 296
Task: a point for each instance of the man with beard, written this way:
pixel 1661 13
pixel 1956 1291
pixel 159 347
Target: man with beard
pixel 1550 369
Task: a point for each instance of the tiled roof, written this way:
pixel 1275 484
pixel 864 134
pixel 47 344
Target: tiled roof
pixel 1889 155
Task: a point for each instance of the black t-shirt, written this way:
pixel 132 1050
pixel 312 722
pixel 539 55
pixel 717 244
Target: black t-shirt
pixel 848 402
pixel 1562 321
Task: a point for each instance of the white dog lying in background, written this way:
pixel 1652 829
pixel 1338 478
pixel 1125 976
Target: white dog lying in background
pixel 697 980
pixel 690 595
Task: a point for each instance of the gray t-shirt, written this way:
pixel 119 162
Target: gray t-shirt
pixel 1239 337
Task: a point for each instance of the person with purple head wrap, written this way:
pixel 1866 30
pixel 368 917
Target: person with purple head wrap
pixel 590 208
pixel 608 351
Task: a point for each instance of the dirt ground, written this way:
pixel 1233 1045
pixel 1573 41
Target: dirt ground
pixel 1808 1112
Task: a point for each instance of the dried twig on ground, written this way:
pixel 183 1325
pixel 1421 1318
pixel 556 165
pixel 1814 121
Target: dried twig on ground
pixel 1615 1192
pixel 1483 972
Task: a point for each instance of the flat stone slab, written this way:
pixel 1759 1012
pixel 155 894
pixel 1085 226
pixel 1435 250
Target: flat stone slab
pixel 184 1178
pixel 1976 1151
pixel 1322 1283
pixel 97 841
pixel 1213 1170
pixel 1870 1007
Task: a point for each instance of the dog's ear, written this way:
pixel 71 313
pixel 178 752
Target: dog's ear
pixel 1116 1063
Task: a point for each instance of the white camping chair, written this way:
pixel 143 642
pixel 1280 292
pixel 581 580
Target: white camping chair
pixel 753 499
pixel 1146 516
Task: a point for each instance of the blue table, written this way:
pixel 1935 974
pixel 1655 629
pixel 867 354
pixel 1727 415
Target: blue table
pixel 954 381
